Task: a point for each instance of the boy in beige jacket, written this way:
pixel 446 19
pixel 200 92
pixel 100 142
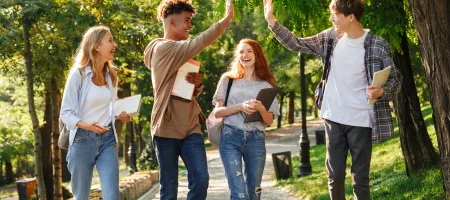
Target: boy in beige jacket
pixel 175 125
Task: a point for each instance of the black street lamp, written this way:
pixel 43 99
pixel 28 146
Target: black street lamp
pixel 131 149
pixel 304 168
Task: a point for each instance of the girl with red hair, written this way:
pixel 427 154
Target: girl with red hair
pixel 241 141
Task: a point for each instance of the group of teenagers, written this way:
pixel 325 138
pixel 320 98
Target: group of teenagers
pixel 350 122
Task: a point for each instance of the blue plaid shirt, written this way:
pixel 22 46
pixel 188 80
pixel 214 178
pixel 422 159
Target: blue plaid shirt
pixel 376 58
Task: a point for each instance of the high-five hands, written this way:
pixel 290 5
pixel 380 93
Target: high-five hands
pixel 229 10
pixel 268 12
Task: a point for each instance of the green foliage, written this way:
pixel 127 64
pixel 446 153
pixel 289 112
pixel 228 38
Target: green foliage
pixel 147 160
pixel 387 174
pixel 16 136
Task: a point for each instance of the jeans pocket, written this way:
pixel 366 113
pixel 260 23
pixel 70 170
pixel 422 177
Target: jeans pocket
pixel 227 131
pixel 80 136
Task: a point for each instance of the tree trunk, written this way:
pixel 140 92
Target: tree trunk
pixel 315 110
pixel 417 148
pixel 2 178
pixel 33 115
pixel 291 108
pixel 9 172
pixel 46 140
pixel 57 175
pixel 280 117
pixel 431 19
pixel 126 92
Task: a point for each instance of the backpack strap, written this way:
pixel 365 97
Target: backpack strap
pixel 331 37
pixel 230 82
pixel 326 71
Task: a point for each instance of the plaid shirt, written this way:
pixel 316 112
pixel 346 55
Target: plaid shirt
pixel 376 58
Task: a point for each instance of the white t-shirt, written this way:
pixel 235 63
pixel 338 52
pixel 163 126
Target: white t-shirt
pixel 97 105
pixel 345 99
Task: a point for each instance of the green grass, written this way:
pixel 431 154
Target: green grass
pixel 388 177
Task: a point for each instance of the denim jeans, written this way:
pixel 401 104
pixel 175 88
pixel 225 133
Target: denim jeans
pixel 340 139
pixel 90 149
pixel 192 151
pixel 237 145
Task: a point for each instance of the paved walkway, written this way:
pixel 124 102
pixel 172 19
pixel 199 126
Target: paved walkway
pixel 284 139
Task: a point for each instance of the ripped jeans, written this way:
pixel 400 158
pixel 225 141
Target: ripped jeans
pixel 237 145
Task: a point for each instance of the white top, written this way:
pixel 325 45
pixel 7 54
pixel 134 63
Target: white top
pixel 75 95
pixel 345 99
pixel 97 105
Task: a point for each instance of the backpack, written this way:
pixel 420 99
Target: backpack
pixel 64 132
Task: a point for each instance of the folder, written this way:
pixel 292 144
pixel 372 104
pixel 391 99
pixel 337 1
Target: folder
pixel 380 78
pixel 266 96
pixel 182 88
pixel 130 105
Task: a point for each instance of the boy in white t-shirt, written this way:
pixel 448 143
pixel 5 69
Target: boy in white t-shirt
pixel 350 122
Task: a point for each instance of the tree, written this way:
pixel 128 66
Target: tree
pixel 32 110
pixel 417 148
pixel 431 19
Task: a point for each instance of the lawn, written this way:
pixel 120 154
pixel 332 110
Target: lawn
pixel 387 173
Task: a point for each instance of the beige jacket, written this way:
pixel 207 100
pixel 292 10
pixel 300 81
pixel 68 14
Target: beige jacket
pixel 172 118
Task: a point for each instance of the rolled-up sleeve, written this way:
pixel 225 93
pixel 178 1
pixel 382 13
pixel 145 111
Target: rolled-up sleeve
pixel 221 90
pixel 69 104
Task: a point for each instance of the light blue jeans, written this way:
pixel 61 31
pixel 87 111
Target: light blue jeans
pixel 88 150
pixel 237 145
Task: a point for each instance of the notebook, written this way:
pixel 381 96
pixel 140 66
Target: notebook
pixel 130 105
pixel 183 89
pixel 266 96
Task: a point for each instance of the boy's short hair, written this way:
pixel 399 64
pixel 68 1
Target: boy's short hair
pixel 347 7
pixel 169 7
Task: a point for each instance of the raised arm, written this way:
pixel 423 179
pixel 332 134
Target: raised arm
pixel 312 45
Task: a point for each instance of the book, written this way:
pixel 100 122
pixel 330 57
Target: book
pixel 182 88
pixel 380 78
pixel 266 96
pixel 130 105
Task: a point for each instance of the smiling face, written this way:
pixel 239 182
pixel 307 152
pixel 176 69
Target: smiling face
pixel 246 55
pixel 106 48
pixel 340 22
pixel 181 25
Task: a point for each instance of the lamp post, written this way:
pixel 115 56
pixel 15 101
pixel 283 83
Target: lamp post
pixel 131 149
pixel 304 168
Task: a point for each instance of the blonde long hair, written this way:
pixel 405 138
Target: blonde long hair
pixel 262 71
pixel 86 55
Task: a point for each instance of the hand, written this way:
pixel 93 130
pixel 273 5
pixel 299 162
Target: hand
pixel 268 12
pixel 258 105
pixel 118 145
pixel 248 108
pixel 374 92
pixel 229 10
pixel 124 117
pixel 97 128
pixel 194 78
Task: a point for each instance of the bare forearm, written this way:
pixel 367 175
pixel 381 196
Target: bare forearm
pixel 227 111
pixel 266 116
